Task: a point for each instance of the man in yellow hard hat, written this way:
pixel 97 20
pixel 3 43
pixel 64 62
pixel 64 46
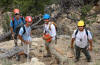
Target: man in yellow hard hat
pixel 82 36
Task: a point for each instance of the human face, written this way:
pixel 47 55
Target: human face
pixel 81 28
pixel 17 16
pixel 28 23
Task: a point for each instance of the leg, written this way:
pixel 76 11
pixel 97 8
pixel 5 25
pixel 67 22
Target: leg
pixel 87 54
pixel 15 39
pixel 57 55
pixel 77 49
pixel 48 50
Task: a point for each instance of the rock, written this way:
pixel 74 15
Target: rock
pixel 34 61
pixel 98 18
pixel 70 55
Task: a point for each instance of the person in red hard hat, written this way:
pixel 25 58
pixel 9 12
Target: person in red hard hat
pixel 25 37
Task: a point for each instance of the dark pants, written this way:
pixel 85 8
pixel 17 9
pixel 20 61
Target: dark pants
pixel 15 39
pixel 84 50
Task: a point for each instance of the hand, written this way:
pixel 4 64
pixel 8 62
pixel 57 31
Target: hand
pixel 13 35
pixel 43 37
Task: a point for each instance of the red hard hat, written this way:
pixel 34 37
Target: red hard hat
pixel 28 19
pixel 16 11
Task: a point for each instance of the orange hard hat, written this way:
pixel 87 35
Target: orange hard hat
pixel 16 11
pixel 28 19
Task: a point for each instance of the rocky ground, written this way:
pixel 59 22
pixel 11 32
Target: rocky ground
pixel 38 51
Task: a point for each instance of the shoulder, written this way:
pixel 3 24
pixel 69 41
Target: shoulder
pixel 52 24
pixel 30 27
pixel 75 30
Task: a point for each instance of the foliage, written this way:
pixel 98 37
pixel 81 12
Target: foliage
pixel 27 7
pixel 6 23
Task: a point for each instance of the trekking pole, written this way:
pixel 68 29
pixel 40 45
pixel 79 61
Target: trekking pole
pixel 27 53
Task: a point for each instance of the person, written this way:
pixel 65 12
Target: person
pixel 49 35
pixel 14 24
pixel 83 41
pixel 25 37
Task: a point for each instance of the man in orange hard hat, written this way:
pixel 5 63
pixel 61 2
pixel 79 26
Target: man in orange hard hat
pixel 15 24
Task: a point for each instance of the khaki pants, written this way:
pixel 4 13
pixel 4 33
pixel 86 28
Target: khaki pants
pixel 53 51
pixel 26 48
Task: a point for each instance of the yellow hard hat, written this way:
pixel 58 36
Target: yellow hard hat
pixel 81 23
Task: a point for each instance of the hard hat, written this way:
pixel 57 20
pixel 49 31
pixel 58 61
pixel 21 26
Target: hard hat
pixel 81 23
pixel 28 19
pixel 46 16
pixel 16 11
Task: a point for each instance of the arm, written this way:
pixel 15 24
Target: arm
pixel 72 42
pixel 20 37
pixel 73 39
pixel 11 28
pixel 90 41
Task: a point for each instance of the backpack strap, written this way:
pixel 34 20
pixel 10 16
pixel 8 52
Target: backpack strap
pixel 85 31
pixel 50 25
pixel 23 29
pixel 22 18
pixel 76 32
pixel 53 24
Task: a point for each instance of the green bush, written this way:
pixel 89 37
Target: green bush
pixel 27 7
pixel 6 23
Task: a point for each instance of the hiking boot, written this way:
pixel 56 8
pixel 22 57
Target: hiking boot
pixel 76 60
pixel 17 57
pixel 88 60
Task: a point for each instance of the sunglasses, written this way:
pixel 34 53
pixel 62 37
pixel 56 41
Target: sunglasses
pixel 80 26
pixel 17 14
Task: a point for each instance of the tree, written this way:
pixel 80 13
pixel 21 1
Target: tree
pixel 27 7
